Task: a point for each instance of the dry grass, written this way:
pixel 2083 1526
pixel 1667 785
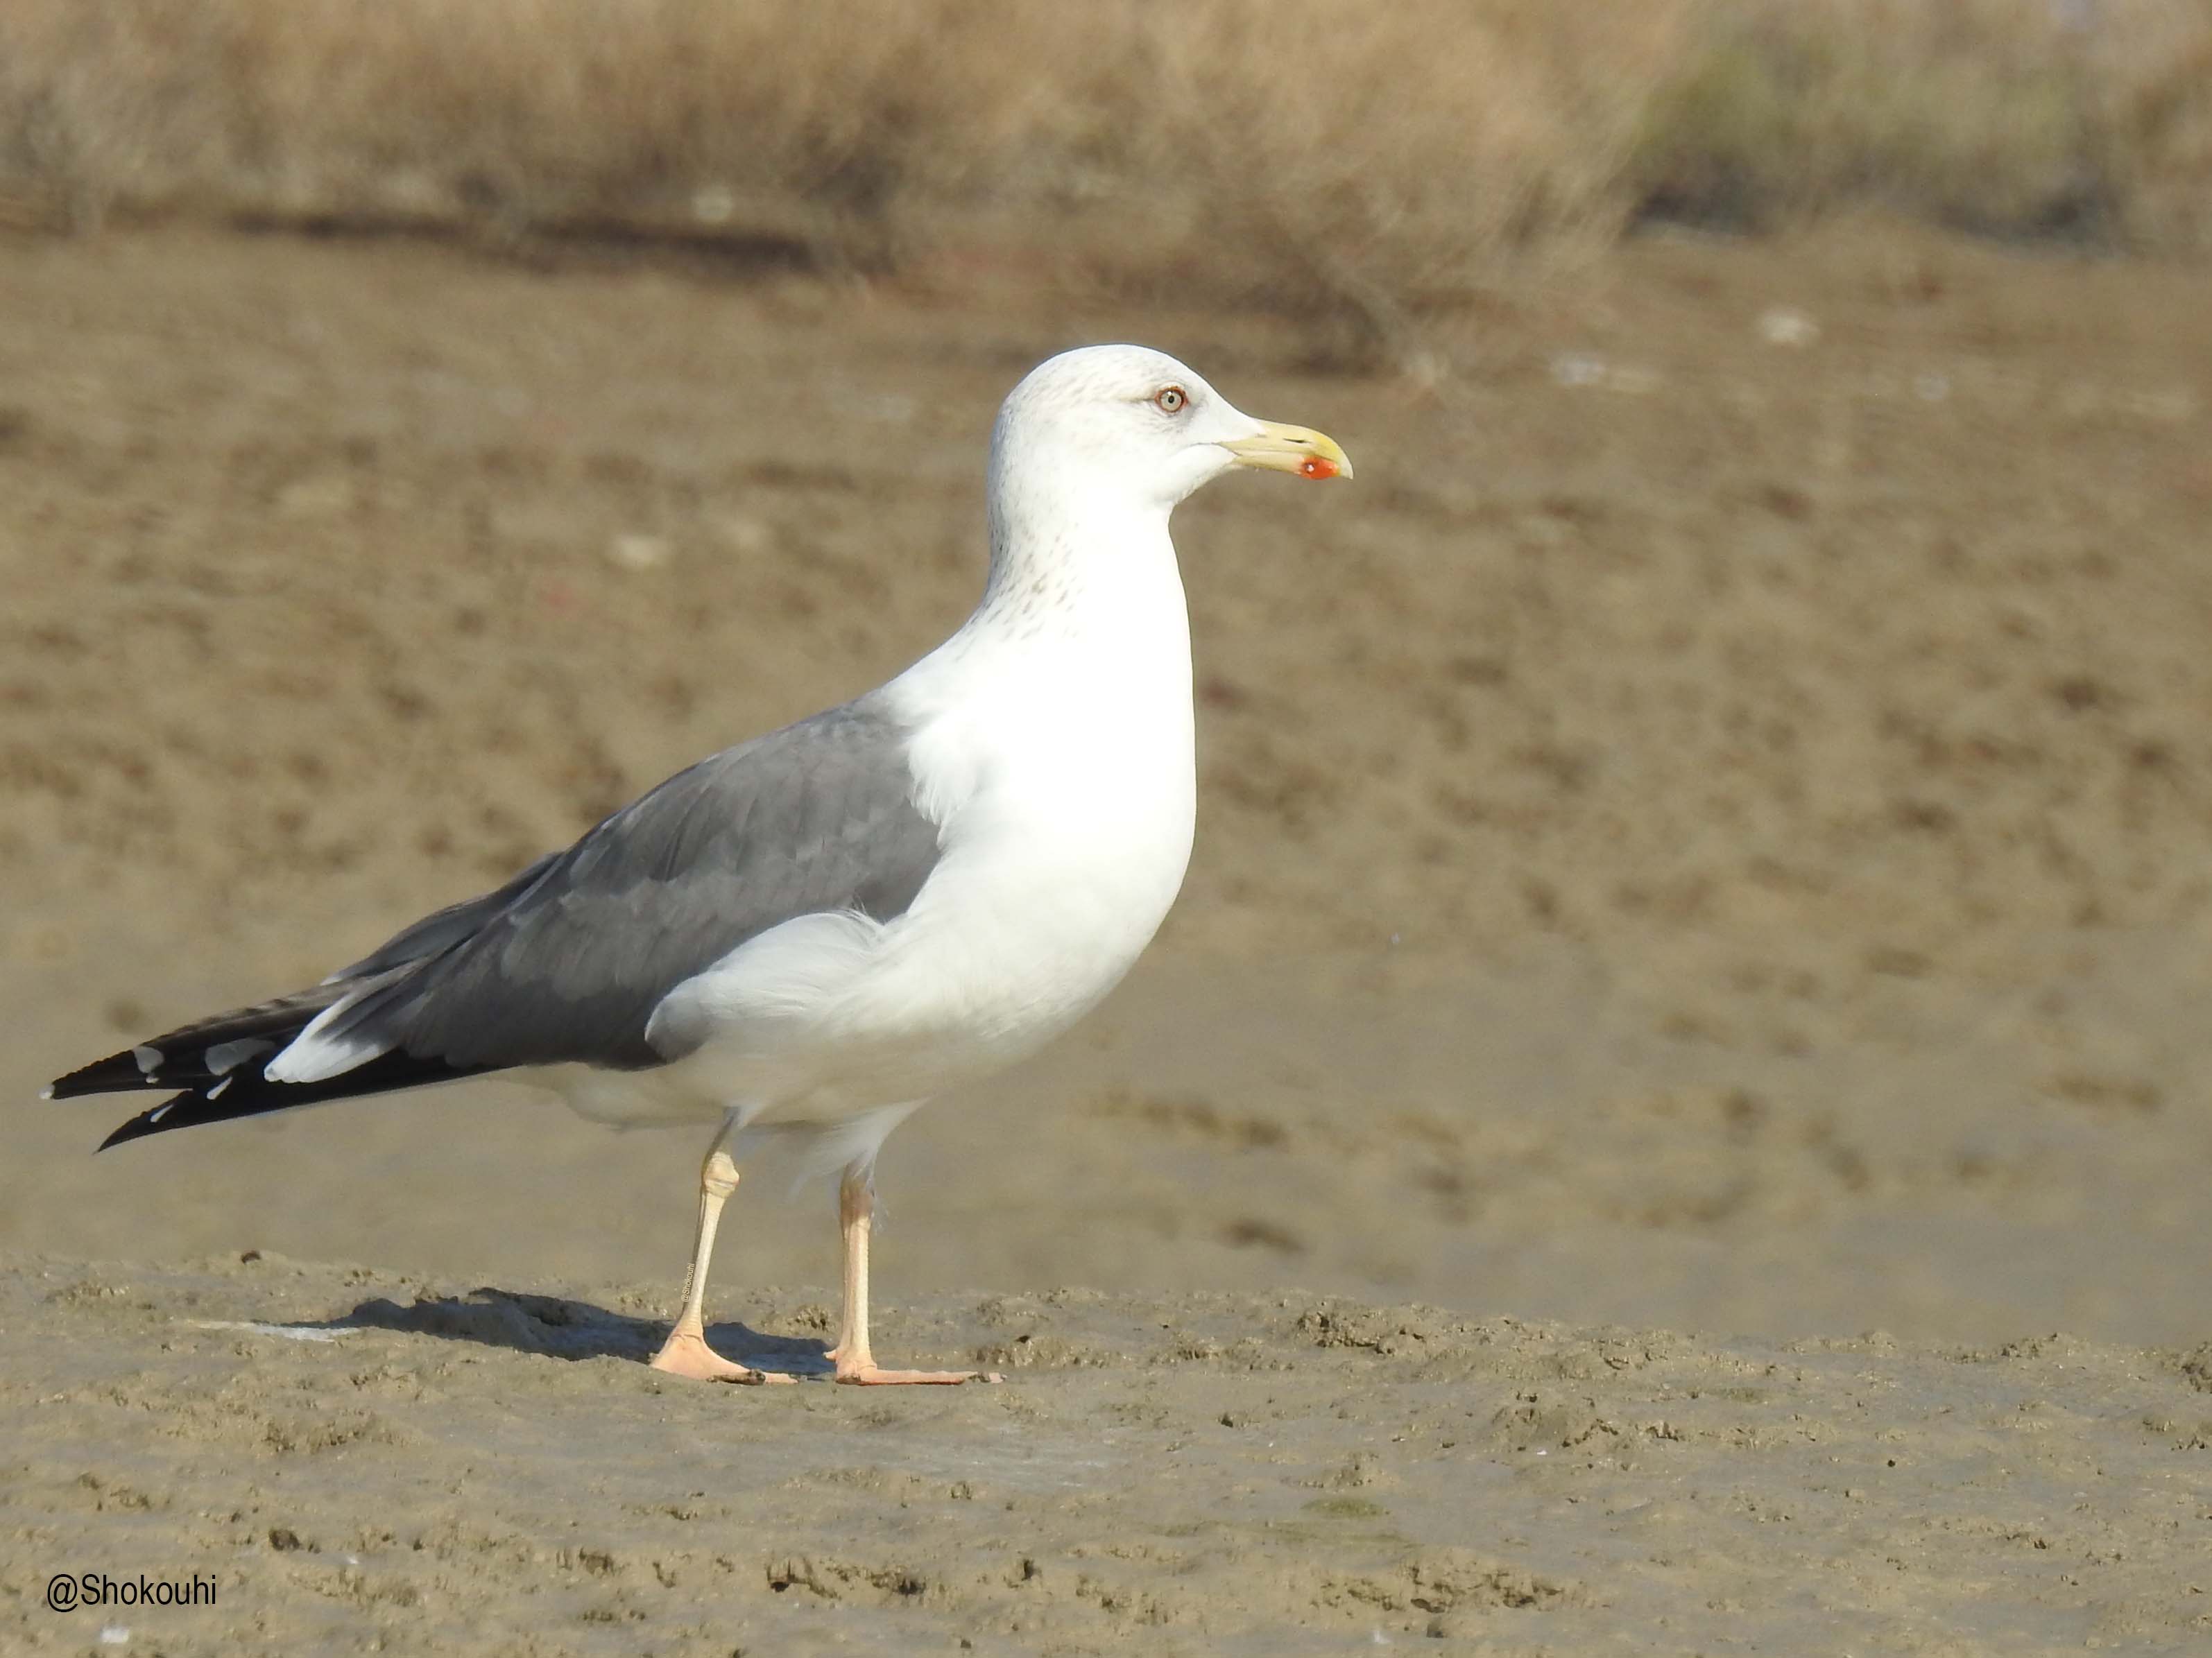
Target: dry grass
pixel 1370 160
pixel 2086 119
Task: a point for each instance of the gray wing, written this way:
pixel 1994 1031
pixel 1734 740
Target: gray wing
pixel 569 959
pixel 439 932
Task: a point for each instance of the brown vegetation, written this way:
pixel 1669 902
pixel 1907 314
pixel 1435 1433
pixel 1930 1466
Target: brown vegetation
pixel 1367 159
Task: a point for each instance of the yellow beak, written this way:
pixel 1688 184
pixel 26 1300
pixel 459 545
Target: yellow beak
pixel 1294 449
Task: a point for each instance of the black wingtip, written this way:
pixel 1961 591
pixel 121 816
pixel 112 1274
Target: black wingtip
pixel 116 1073
pixel 136 1129
pixel 246 1092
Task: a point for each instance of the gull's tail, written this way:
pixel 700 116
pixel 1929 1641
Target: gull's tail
pixel 217 1064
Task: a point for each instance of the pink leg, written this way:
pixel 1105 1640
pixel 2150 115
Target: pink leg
pixel 856 1365
pixel 685 1353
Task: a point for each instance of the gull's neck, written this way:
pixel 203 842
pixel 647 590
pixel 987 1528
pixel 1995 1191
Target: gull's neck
pixel 1084 600
pixel 1068 690
pixel 1073 559
pixel 1079 552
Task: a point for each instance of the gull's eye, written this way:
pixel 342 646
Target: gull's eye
pixel 1170 399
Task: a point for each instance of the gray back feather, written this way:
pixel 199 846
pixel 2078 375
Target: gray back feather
pixel 568 960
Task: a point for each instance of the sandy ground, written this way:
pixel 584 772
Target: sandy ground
pixel 1708 833
pixel 362 1461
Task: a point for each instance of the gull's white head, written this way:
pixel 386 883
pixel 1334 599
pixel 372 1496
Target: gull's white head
pixel 1123 422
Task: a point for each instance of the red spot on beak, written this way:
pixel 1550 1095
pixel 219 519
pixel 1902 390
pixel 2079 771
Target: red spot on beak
pixel 1317 466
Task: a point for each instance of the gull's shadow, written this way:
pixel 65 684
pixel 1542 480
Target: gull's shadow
pixel 559 1328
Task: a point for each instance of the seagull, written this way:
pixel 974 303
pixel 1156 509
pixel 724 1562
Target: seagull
pixel 818 931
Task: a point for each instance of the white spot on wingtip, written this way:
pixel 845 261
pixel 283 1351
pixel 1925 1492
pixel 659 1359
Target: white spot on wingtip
pixel 162 1110
pixel 215 1093
pixel 223 1057
pixel 148 1058
pixel 48 1092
